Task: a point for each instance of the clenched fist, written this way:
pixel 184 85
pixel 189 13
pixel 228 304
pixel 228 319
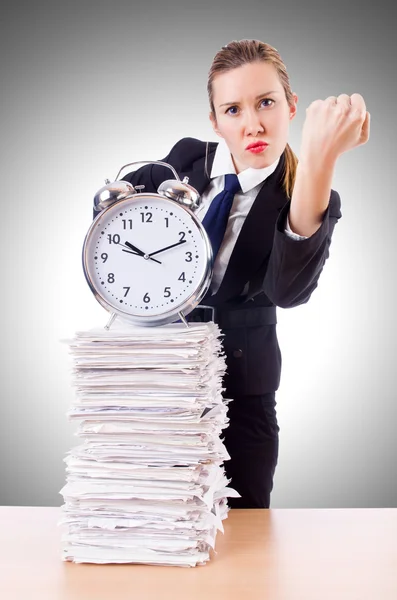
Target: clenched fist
pixel 333 126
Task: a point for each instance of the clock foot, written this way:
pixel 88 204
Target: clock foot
pixel 111 320
pixel 182 318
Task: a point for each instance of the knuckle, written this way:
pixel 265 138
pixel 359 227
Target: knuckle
pixel 313 105
pixel 357 114
pixel 357 97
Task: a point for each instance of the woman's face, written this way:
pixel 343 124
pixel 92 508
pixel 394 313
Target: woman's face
pixel 250 106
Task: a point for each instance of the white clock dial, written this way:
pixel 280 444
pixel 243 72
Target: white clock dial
pixel 146 256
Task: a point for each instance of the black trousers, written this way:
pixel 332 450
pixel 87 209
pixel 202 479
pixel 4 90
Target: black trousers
pixel 251 439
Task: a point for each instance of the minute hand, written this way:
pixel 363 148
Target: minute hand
pixel 167 248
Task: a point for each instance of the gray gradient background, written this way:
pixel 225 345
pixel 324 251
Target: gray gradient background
pixel 86 88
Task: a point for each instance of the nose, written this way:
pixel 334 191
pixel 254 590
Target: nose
pixel 252 123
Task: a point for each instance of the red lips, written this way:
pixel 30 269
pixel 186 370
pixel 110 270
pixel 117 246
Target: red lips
pixel 256 145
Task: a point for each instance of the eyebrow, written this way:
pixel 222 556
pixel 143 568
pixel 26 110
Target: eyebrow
pixel 256 98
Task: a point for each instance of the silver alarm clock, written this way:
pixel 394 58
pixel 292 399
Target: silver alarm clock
pixel 146 256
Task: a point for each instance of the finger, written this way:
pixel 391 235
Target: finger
pixel 331 99
pixel 357 101
pixel 358 107
pixel 364 137
pixel 343 103
pixel 343 99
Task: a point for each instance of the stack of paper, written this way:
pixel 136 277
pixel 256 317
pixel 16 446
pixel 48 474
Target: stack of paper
pixel 147 485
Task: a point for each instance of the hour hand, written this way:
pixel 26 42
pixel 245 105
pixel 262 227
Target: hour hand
pixel 135 250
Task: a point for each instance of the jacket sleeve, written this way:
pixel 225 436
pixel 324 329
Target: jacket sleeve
pixel 295 266
pixel 152 175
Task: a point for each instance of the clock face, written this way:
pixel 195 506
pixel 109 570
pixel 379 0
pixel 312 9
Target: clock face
pixel 146 256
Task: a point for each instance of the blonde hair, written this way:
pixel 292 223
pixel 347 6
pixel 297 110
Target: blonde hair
pixel 235 54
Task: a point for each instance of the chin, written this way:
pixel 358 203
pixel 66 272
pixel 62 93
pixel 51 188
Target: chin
pixel 261 163
pixel 253 162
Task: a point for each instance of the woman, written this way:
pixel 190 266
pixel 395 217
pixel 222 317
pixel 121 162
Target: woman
pixel 276 236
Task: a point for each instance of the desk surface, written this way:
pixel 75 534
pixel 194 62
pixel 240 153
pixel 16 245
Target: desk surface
pixel 276 554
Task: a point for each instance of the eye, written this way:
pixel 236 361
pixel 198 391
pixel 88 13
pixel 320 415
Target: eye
pixel 267 100
pixel 232 110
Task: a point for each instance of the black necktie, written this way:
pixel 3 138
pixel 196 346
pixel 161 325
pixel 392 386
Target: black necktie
pixel 215 219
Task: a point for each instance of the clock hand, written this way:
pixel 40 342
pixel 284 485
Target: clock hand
pixel 167 248
pixel 129 251
pixel 137 252
pixel 135 249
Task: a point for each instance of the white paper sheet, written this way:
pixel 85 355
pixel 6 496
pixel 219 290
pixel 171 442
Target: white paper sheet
pixel 147 484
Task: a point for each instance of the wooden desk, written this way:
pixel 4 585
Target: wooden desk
pixel 276 554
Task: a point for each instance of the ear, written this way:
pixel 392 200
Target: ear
pixel 214 124
pixel 293 109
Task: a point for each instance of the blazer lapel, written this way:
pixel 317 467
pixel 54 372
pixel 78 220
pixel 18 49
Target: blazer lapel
pixel 255 241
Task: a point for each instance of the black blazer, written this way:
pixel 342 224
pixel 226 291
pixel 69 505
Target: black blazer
pixel 280 271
